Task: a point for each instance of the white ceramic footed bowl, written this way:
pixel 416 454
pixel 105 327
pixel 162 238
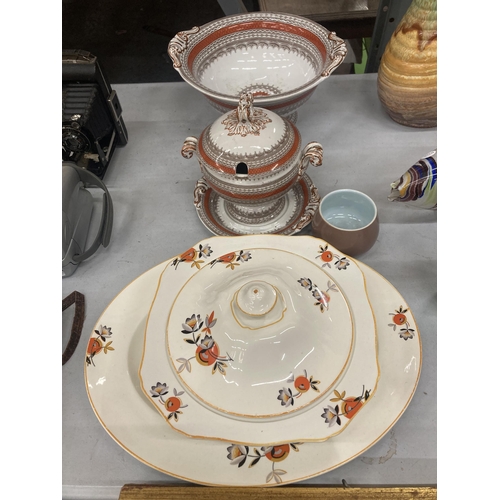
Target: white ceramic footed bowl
pixel 280 58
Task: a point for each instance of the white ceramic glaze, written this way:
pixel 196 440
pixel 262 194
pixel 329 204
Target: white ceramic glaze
pixel 116 397
pixel 206 385
pixel 252 158
pixel 266 324
pixel 347 219
pixel 279 58
pixel 295 212
pixel 348 209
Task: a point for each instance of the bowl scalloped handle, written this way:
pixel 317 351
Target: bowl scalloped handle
pixel 337 53
pixel 189 147
pixel 313 154
pixel 178 45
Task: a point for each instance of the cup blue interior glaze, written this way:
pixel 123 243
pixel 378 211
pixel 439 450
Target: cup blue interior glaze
pixel 348 209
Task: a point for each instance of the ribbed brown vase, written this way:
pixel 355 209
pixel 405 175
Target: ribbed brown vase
pixel 407 75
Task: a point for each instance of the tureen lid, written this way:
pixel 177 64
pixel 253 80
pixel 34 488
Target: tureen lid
pixel 258 138
pixel 260 344
pixel 267 331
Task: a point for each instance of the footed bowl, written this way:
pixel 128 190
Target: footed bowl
pixel 279 58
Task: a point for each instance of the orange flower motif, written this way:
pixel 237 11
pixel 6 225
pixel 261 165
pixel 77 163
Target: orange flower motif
pixel 400 319
pixel 207 351
pixel 238 455
pixel 350 406
pixel 278 453
pixel 188 255
pixel 99 344
pixel 302 384
pixel 232 259
pixel 194 256
pixel 94 347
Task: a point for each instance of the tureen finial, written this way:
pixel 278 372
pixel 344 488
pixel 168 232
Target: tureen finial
pixel 245 108
pixel 245 119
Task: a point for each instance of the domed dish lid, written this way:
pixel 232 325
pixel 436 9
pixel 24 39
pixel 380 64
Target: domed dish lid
pixel 251 323
pixel 248 141
pixel 160 374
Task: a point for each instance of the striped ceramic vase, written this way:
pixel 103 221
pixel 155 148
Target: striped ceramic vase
pixel 407 75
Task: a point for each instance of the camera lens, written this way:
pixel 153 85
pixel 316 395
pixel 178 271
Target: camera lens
pixel 74 144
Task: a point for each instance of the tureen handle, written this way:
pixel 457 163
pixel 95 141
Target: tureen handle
pixel 199 190
pixel 309 211
pixel 189 147
pixel 312 153
pixel 337 53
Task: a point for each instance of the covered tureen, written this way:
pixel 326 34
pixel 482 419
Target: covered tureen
pixel 253 168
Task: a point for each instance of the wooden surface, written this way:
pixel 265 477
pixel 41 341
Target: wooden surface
pixel 155 492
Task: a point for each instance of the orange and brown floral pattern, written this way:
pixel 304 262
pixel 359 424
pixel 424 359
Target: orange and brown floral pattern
pixel 173 404
pixel 232 259
pixel 302 384
pixel 322 298
pixel 238 455
pixel 400 319
pixel 329 258
pixel 207 350
pixel 346 407
pixel 99 344
pixel 193 256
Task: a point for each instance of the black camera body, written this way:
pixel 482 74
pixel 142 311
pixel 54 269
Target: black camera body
pixel 92 123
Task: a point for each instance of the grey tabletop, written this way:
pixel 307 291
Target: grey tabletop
pixel 151 186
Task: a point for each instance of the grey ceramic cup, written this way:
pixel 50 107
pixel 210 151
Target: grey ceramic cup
pixel 348 220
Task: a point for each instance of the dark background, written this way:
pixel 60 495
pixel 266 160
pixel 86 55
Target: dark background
pixel 130 37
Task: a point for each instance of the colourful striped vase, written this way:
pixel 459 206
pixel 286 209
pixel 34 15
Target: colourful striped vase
pixel 407 75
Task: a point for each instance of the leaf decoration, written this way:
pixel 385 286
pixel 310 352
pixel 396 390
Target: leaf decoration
pixel 338 396
pixel 275 474
pixel 184 363
pixel 107 347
